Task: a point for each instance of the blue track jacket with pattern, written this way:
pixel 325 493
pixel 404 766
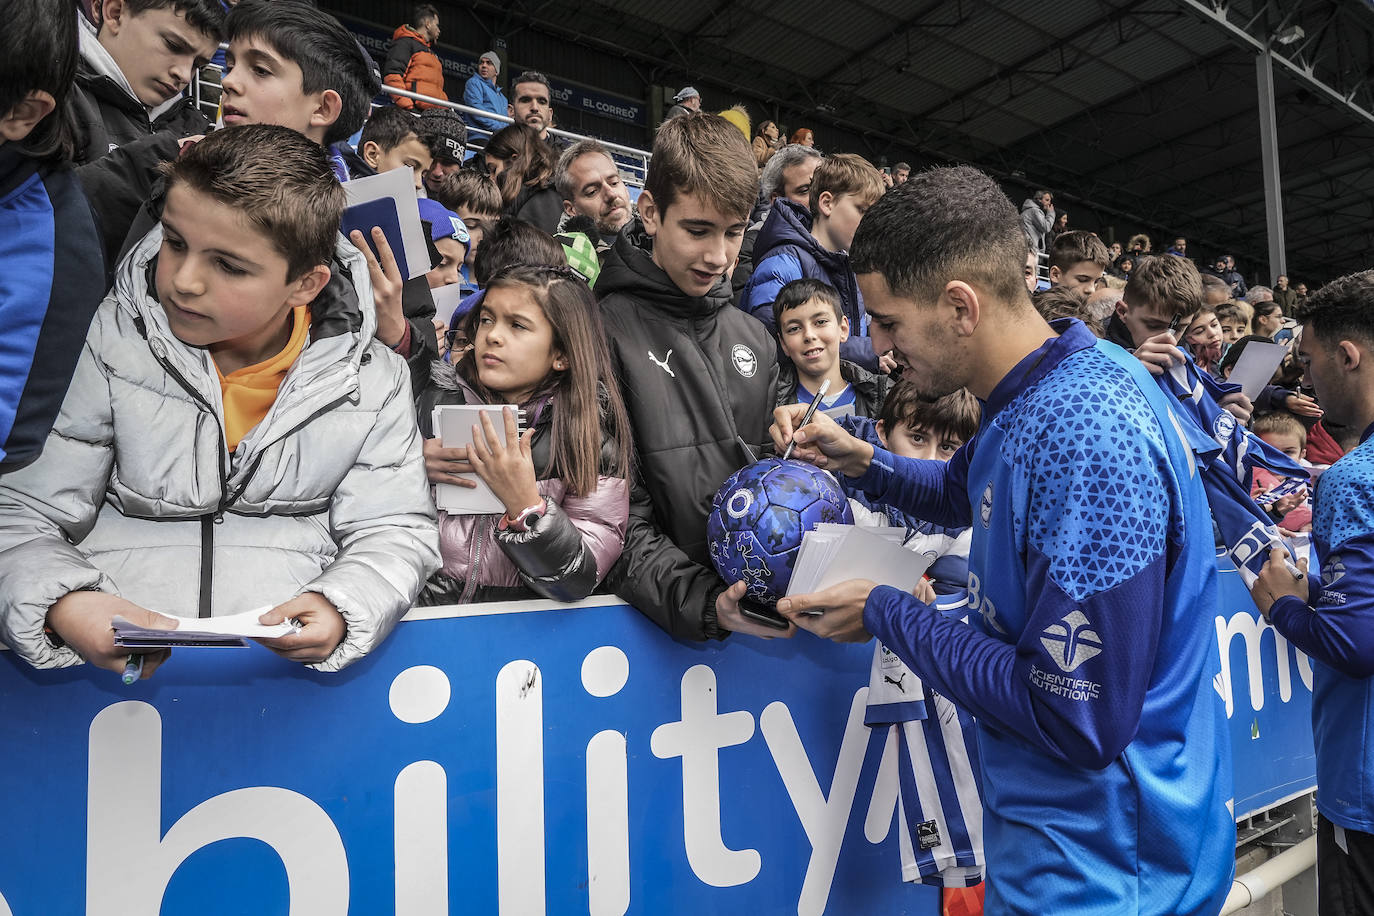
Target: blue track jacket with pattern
pixel 1092 590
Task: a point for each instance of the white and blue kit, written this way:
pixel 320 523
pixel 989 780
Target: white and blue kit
pixel 1337 632
pixel 1092 589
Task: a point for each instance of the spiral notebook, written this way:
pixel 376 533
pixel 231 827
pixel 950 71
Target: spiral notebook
pixel 453 425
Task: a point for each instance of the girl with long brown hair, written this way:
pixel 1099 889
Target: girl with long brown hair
pixel 535 341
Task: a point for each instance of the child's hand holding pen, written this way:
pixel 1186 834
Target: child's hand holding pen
pixel 81 620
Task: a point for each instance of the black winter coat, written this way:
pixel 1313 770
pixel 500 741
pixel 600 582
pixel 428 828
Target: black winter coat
pixel 699 378
pixel 108 117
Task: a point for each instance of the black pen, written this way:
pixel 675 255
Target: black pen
pixel 810 412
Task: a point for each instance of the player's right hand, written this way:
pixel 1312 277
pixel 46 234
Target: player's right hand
pixel 822 442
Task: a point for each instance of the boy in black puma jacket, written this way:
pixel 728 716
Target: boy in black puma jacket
pixel 697 374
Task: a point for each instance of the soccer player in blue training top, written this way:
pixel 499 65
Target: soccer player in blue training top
pixel 1107 770
pixel 1333 622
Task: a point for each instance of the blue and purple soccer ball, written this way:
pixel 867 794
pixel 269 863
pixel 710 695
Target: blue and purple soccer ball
pixel 759 516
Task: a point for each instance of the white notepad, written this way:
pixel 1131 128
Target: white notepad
pixel 831 554
pixel 453 425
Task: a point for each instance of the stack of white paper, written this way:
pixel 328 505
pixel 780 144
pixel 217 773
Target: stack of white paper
pixel 831 554
pixel 210 632
pixel 453 425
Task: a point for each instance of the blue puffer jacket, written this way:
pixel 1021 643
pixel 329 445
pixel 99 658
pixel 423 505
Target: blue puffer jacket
pixel 785 251
pixel 483 94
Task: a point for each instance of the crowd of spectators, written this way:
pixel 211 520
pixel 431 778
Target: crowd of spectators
pixel 648 342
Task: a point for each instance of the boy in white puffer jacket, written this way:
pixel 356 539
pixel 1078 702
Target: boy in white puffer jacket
pixel 233 436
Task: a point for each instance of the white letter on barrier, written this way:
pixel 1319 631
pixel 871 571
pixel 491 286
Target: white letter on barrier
pixel 1252 629
pixel 420 821
pixel 605 671
pixel 883 805
pixel 697 739
pixel 823 819
pixel 421 840
pixel 520 789
pixel 128 867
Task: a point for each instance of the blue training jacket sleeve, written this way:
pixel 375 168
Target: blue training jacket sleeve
pixel 770 275
pixel 936 491
pixel 1337 629
pixel 1092 536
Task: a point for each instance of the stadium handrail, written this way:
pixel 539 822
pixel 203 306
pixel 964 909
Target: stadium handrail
pixel 635 161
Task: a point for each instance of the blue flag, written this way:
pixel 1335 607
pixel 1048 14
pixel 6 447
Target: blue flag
pixel 1228 454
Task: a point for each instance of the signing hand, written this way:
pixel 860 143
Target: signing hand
pixel 836 613
pixel 83 621
pixel 821 442
pixel 322 628
pixel 505 467
pixel 386 286
pixel 1160 353
pixel 1275 581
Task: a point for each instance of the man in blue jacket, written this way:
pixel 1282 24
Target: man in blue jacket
pixel 1333 620
pixel 1107 770
pixel 480 91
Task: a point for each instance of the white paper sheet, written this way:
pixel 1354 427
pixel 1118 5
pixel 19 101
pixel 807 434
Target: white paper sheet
pixel 1256 366
pixel 388 200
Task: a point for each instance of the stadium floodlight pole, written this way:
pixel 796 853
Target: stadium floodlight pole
pixel 1269 154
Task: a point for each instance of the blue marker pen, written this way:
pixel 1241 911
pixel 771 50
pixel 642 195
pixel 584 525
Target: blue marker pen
pixel 133 669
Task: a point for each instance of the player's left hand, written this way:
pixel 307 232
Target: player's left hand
pixel 834 613
pixel 322 628
pixel 1275 581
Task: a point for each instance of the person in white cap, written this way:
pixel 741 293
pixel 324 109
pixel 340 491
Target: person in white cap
pixel 688 100
pixel 482 92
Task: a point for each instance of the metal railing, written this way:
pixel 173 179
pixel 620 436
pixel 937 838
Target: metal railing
pixel 633 163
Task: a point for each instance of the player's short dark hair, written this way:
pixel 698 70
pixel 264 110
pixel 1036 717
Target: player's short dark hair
pixel 1342 309
pixel 327 53
pixel 957 414
pixel 799 292
pixel 389 127
pixel 1070 248
pixel 940 225
pixel 202 15
pixel 38 51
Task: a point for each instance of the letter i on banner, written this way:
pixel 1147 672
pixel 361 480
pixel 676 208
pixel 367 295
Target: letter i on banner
pixel 605 671
pixel 420 843
pixel 520 789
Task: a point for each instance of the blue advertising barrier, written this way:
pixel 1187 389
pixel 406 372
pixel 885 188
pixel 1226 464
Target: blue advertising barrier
pixel 514 759
pixel 1267 686
pixel 566 760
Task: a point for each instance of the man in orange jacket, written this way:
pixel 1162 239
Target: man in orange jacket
pixel 411 63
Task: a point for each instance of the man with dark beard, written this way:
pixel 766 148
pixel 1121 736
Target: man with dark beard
pixel 1091 572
